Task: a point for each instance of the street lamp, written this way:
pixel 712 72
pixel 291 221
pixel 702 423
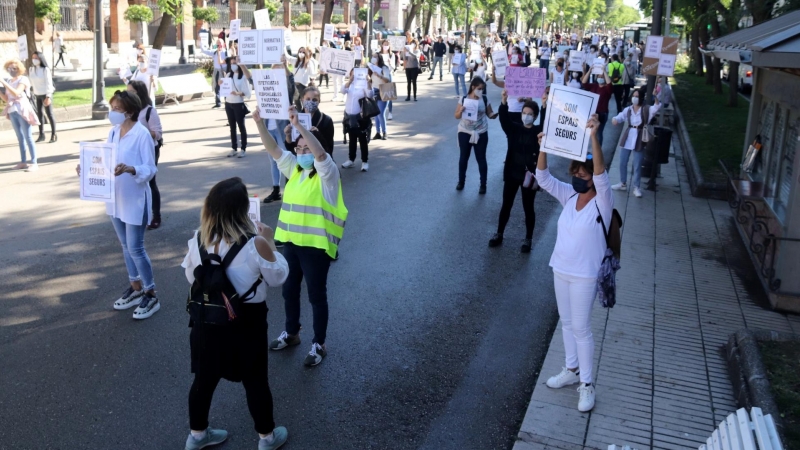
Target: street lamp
pixel 182 59
pixel 574 18
pixel 561 21
pixel 516 17
pixel 100 106
pixel 466 29
pixel 544 11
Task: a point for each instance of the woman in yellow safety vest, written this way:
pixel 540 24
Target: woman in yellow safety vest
pixel 310 225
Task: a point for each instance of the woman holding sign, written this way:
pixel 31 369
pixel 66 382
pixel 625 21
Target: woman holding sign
pixel 638 117
pixel 459 69
pixel 357 128
pixel 305 70
pixel 577 256
pixel 235 108
pixel 380 73
pixel 473 111
pixel 411 56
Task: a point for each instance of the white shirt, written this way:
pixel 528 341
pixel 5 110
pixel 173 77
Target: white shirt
pixel 359 51
pixel 580 242
pixel 244 270
pixel 354 94
pixel 154 124
pixel 42 81
pixel 558 78
pixel 144 77
pixel 132 192
pixel 303 75
pixel 385 72
pixel 545 53
pixel 215 58
pixel 239 85
pixel 636 120
pixel 13 101
pixel 326 171
pixel 388 59
pixel 58 44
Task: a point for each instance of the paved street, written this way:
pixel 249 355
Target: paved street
pixel 434 340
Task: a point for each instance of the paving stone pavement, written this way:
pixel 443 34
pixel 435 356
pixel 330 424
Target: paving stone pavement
pixel 661 380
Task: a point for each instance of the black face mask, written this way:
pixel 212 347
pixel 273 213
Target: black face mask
pixel 580 185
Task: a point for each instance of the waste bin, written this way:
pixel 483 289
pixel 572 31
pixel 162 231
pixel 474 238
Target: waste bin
pixel 657 148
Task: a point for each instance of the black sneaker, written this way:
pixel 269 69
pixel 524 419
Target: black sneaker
pixel 377 136
pixel 496 240
pixel 147 307
pixel 460 186
pixel 274 196
pixel 408 99
pixel 129 299
pixel 316 355
pixel 526 246
pixel 482 190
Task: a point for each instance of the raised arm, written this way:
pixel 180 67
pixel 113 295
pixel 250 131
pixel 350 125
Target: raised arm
pixel 266 138
pixel 597 149
pixel 496 82
pixel 313 144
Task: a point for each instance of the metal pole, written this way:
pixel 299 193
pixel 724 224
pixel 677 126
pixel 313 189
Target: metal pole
pixel 182 59
pixel 466 28
pixel 658 12
pixel 100 106
pixel 368 43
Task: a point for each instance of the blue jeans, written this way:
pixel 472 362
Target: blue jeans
pixel 460 77
pixel 480 155
pixel 136 260
pixel 637 166
pixel 280 138
pixel 24 134
pixel 390 105
pixel 437 60
pixel 603 118
pixel 380 119
pixel 544 63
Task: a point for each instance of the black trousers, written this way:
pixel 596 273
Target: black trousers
pixel 250 343
pixel 358 137
pixel 618 91
pixel 298 95
pixel 235 112
pixel 47 110
pixel 509 194
pixel 154 188
pixel 411 77
pixel 60 59
pixel 626 94
pixel 312 264
pixel 325 76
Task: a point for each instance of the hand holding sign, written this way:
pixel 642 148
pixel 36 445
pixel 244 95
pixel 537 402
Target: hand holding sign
pixel 568 113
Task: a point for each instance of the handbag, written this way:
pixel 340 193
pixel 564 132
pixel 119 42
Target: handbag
pixel 388 91
pixel 646 133
pixel 607 274
pixel 530 181
pixel 369 107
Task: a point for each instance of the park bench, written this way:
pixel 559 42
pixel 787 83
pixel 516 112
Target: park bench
pixel 182 85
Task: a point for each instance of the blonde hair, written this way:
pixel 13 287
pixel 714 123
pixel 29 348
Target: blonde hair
pixel 15 62
pixel 225 214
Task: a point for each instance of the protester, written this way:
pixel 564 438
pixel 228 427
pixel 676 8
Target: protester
pixel 60 48
pixel 141 74
pixel 458 71
pixel 558 76
pixel 544 56
pixel 20 111
pixel 604 90
pixel 130 212
pixel 358 49
pixel 42 85
pixel 236 351
pixel 235 108
pixel 320 121
pixel 357 129
pixel 615 71
pixel 389 60
pixel 411 65
pixel 324 75
pixel 451 50
pixel 276 128
pixel 314 196
pixel 439 50
pixel 150 119
pixel 520 164
pixel 474 133
pixel 218 57
pixel 574 81
pixel 628 80
pixel 305 70
pixel 636 117
pixel 383 75
pixel 578 253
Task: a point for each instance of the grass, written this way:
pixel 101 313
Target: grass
pixel 716 130
pixel 782 360
pixel 81 96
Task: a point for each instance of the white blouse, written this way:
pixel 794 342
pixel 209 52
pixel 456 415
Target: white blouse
pixel 354 94
pixel 244 270
pixel 303 75
pixel 239 85
pixel 636 120
pixel 132 192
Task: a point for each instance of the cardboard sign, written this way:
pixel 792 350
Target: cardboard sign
pixel 575 62
pixel 525 81
pixel 22 46
pixel 568 111
pixel 261 46
pixel 353 29
pixel 500 61
pixel 669 46
pixel 652 48
pixel 470 109
pixel 493 28
pixel 263 21
pixel 154 62
pixel 663 63
pixel 98 160
pixel 328 33
pixel 233 31
pixel 272 94
pixel 397 42
pixel 360 76
pixel 595 39
pixel 336 62
pixel 458 59
pixel 254 212
pixel 305 121
pixel 598 66
pixel 226 87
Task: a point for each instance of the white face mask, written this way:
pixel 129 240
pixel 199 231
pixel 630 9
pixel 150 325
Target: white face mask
pixel 527 119
pixel 301 55
pixel 116 117
pixel 234 68
pixel 574 75
pixel 386 48
pixel 478 92
pixel 635 101
pixel 37 62
pixel 142 65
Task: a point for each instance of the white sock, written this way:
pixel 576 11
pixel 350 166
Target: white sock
pixel 269 438
pixel 198 435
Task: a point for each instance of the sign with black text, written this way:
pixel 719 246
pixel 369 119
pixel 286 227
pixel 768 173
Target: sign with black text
pixel 500 61
pixel 22 47
pixel 262 19
pixel 261 46
pixel 328 33
pixel 233 31
pixel 568 112
pixel 305 121
pixel 336 62
pixel 272 94
pixel 153 62
pixel 98 160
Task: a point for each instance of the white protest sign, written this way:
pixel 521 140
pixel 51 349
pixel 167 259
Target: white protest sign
pixel 568 111
pixel 336 62
pixel 515 59
pixel 271 46
pixel 226 87
pixel 203 36
pixel 272 94
pixel 458 58
pixel 353 29
pixel 360 77
pixel 124 70
pixel 22 46
pixel 397 42
pixel 470 109
pixel 154 62
pixel 500 61
pixel 254 212
pixel 653 47
pixel 576 61
pixel 98 160
pixel 493 28
pixel 262 20
pixel 328 34
pixel 374 68
pixel 373 44
pixel 666 65
pixel 598 66
pixel 249 47
pixel 233 31
pixel 305 121
pixel 595 39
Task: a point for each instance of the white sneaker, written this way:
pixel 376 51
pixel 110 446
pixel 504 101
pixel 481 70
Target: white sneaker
pixel 619 187
pixel 586 403
pixel 364 166
pixel 32 168
pixel 565 378
pixel 241 154
pixel 232 153
pixel 388 115
pixel 129 299
pixel 335 97
pixel 347 164
pixel 636 192
pixel 147 307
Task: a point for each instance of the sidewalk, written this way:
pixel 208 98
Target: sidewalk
pixel 661 379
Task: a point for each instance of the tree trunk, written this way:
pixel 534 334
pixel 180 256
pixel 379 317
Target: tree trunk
pixel 530 24
pixel 259 5
pixel 697 57
pixel 26 24
pixel 161 33
pixel 412 13
pixel 287 13
pixel 326 18
pixel 500 22
pixel 706 58
pixel 428 20
pixel 716 65
pixel 733 84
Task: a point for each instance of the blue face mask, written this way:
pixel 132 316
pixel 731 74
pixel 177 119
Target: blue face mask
pixel 306 160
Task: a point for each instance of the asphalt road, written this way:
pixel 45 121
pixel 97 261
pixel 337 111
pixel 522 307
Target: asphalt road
pixel 434 340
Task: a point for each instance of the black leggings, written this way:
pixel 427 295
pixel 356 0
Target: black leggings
pixel 325 76
pixel 235 112
pixel 357 136
pixel 154 188
pixel 60 60
pixel 47 110
pixel 509 194
pixel 411 76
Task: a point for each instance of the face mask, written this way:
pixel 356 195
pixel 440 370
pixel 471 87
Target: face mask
pixel 527 119
pixel 142 65
pixel 375 61
pixel 116 117
pixel 458 51
pixel 13 71
pixel 311 106
pixel 386 48
pixel 234 68
pixel 635 101
pixel 301 55
pixel 574 75
pixel 601 81
pixel 306 160
pixel 37 62
pixel 478 92
pixel 580 185
pixel 560 65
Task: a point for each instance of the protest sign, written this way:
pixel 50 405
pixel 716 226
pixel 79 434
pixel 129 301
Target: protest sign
pixel 360 75
pixel 598 66
pixel 353 29
pixel 373 44
pixel 22 47
pixel 254 212
pixel 576 61
pixel 336 62
pixel 653 47
pixel 661 57
pixel 568 111
pixel 305 121
pixel 458 58
pixel 233 31
pixel 262 20
pixel 271 46
pixel 666 65
pixel 272 94
pixel 124 70
pixel 500 61
pixel 525 81
pixel 203 36
pixel 248 47
pixel 153 62
pixel 595 39
pixel 563 48
pixel 98 160
pixel 493 28
pixel 470 109
pixel 397 42
pixel 328 34
pixel 514 59
pixel 226 87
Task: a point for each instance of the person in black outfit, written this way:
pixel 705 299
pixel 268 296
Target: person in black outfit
pixel 439 49
pixel 451 50
pixel 319 121
pixel 520 165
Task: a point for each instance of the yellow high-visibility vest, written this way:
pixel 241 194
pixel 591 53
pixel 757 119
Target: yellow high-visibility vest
pixel 307 219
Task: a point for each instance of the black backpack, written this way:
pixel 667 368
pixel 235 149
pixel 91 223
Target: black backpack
pixel 616 75
pixel 212 298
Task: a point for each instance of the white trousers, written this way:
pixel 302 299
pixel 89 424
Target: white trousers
pixel 338 80
pixel 575 297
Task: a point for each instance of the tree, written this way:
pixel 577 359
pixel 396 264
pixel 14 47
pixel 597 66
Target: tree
pixel 301 19
pixel 172 12
pixel 207 15
pixel 336 19
pixel 326 18
pixel 51 10
pixel 26 23
pixel 140 15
